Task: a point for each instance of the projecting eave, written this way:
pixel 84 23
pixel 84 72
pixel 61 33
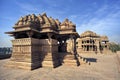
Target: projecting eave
pixel 16 31
pixel 70 33
pixel 49 32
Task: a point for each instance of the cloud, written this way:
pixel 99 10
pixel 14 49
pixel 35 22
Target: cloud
pixel 5 40
pixel 27 8
pixel 73 17
pixel 105 21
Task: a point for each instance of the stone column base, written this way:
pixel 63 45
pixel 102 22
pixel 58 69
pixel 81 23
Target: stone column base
pixel 70 60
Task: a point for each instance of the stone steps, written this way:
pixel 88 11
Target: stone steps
pixel 82 60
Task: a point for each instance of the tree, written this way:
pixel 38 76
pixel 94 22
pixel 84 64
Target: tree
pixel 114 47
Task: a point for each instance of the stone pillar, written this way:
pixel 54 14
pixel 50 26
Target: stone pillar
pixel 71 59
pixel 73 44
pixel 50 41
pixel 25 54
pixel 50 52
pixel 97 46
pixel 84 47
pixel 92 47
pixel 79 45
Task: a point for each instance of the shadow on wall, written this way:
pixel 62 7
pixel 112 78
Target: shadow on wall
pixel 68 56
pixel 91 59
pixel 5 56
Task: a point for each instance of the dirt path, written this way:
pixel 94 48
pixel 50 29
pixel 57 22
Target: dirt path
pixel 102 67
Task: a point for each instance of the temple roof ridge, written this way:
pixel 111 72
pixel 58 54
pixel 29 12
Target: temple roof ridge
pixel 44 14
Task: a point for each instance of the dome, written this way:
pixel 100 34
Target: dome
pixel 66 24
pixel 89 34
pixel 28 19
pixel 104 38
pixel 53 23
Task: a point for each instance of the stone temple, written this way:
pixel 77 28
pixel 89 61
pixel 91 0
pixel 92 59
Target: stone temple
pixel 41 41
pixel 90 42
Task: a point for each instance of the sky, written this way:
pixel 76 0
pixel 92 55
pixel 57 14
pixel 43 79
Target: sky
pixel 99 16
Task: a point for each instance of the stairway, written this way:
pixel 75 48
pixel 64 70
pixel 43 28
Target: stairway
pixel 69 59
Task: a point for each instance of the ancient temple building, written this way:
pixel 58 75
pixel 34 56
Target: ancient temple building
pixel 41 41
pixel 90 42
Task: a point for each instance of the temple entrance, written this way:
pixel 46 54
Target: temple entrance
pixel 62 46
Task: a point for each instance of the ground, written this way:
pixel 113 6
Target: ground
pixel 102 67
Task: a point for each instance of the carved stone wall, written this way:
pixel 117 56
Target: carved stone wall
pixel 70 46
pixel 25 54
pixel 30 53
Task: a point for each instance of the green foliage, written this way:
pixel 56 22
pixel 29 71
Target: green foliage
pixel 114 47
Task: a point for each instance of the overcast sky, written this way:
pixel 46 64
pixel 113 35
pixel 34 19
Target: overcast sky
pixel 100 16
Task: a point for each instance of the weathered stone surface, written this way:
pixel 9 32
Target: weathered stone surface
pixel 33 51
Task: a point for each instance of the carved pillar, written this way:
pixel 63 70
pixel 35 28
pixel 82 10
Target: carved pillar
pixel 72 42
pixel 92 47
pixel 97 46
pixel 84 47
pixel 50 41
pixel 73 47
pixel 75 50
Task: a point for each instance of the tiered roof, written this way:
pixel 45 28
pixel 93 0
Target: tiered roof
pixel 43 24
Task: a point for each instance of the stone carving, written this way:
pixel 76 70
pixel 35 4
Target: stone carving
pixel 28 19
pixel 57 22
pixel 72 25
pixel 53 23
pixel 40 19
pixel 20 22
pixel 67 25
pixel 47 22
